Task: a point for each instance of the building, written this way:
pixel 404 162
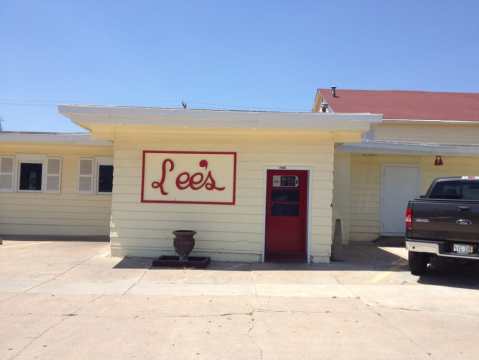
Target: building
pixel 50 185
pixel 254 185
pixel 423 135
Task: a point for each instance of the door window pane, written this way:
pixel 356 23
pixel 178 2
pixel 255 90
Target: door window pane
pixel 285 195
pixel 105 178
pixel 280 209
pixel 31 176
pixel 285 181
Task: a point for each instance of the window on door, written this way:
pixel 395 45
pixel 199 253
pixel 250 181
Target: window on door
pixel 285 202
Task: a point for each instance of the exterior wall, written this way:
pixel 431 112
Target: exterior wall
pixel 342 193
pixel 466 134
pixel 225 232
pixel 365 188
pixel 67 213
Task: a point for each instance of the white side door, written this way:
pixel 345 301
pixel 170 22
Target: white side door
pixel 399 185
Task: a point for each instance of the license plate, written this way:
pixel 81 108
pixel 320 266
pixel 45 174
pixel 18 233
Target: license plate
pixel 463 249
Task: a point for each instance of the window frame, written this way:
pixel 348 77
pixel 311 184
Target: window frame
pixel 96 163
pixel 30 159
pixel 102 161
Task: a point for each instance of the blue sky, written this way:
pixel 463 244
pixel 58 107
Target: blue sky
pixel 225 54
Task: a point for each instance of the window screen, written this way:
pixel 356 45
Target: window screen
pixel 465 190
pixel 105 178
pixel 31 176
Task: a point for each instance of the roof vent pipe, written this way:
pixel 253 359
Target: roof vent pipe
pixel 333 91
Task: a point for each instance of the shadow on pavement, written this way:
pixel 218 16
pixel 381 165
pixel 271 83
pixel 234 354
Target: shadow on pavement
pixel 361 257
pixel 54 238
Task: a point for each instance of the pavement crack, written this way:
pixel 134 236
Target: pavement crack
pixel 34 339
pixel 251 335
pixel 135 282
pixel 389 323
pixel 55 277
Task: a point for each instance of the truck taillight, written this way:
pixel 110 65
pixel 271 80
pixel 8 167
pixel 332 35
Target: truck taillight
pixel 408 219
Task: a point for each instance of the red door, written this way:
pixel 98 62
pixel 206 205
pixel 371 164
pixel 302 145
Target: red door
pixel 286 215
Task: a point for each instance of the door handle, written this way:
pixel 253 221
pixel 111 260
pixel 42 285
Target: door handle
pixel 463 208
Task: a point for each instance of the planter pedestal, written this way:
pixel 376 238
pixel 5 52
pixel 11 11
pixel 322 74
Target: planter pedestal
pixel 165 261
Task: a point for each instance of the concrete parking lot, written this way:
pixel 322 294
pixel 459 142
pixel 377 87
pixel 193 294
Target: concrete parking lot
pixel 71 300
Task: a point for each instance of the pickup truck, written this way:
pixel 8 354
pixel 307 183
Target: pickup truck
pixel 444 222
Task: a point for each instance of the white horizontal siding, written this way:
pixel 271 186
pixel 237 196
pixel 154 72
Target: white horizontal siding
pixel 223 231
pixel 66 213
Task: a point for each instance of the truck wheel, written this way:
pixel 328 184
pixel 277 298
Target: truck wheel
pixel 418 262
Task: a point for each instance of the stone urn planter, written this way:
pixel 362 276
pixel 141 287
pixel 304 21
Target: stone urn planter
pixel 184 243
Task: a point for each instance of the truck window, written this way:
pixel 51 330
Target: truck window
pixel 456 189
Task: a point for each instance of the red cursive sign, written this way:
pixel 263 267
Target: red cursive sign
pixel 188 177
pixel 184 180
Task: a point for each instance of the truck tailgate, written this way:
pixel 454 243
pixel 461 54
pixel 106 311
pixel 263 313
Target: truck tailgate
pixel 445 220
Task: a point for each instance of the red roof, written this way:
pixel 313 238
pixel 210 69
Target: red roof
pixel 408 105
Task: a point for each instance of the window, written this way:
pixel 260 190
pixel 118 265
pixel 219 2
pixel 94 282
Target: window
pixel 285 202
pixel 465 190
pixel 6 173
pixel 105 178
pixel 96 176
pixel 38 173
pixel 30 176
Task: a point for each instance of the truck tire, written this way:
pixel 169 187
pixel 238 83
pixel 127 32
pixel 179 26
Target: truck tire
pixel 418 262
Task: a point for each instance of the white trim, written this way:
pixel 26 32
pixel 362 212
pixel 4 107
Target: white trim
pixel 30 159
pixel 104 160
pixel 52 138
pixel 86 116
pixel 432 121
pixel 98 162
pixel 404 148
pixel 381 193
pixel 309 169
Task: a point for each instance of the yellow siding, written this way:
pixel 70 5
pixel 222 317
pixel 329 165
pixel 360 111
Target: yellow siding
pixel 67 213
pixel 429 133
pixel 342 192
pixel 224 232
pixel 366 186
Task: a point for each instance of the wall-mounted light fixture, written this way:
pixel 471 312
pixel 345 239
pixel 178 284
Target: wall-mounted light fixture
pixel 438 161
